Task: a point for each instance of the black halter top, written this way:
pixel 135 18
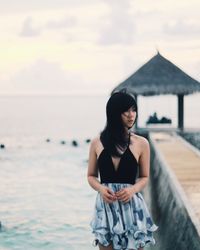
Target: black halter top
pixel 126 171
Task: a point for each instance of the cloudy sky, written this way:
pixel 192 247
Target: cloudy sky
pixel 89 46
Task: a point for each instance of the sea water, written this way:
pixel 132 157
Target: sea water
pixel 45 200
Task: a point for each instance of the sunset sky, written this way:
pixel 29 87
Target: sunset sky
pixel 89 46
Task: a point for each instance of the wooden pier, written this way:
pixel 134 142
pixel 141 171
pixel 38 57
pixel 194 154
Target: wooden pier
pixel 184 161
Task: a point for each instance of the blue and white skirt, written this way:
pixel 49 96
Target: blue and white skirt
pixel 125 225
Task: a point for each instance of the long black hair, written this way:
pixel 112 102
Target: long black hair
pixel 114 133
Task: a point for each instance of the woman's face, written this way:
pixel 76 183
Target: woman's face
pixel 128 117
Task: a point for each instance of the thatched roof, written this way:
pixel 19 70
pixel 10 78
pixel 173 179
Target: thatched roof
pixel 159 76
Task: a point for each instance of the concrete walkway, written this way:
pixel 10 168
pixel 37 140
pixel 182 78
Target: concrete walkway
pixel 184 160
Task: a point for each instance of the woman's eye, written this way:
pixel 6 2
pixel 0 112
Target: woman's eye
pixel 133 108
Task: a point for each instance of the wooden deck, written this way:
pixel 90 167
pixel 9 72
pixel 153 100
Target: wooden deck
pixel 184 160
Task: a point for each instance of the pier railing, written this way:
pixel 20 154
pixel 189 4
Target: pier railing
pixel 179 227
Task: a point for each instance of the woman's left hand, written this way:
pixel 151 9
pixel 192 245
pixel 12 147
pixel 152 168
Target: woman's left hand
pixel 125 194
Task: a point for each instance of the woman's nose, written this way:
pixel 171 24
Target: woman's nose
pixel 131 113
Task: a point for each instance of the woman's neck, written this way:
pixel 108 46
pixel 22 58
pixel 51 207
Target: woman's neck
pixel 126 130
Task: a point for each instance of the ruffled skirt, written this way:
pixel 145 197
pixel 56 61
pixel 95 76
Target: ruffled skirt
pixel 125 225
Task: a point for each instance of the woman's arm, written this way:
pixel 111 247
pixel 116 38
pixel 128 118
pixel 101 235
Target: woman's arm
pixel 144 166
pixel 92 175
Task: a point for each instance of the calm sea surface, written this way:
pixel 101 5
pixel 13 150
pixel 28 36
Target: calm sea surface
pixel 45 201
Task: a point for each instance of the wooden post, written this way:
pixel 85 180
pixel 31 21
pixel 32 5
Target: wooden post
pixel 181 111
pixel 136 99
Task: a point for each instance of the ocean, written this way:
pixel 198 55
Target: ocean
pixel 45 200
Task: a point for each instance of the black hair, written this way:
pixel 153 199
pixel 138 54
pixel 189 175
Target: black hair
pixel 114 133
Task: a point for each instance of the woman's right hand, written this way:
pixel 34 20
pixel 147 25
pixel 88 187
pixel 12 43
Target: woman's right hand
pixel 107 194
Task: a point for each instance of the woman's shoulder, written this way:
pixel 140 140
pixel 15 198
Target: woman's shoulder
pixel 95 141
pixel 139 139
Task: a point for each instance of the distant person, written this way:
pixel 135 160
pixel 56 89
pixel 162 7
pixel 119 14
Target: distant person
pixel 155 117
pixel 121 219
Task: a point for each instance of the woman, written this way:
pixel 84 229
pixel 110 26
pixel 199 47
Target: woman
pixel 121 218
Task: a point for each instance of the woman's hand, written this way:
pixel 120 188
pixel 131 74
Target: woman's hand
pixel 125 194
pixel 107 194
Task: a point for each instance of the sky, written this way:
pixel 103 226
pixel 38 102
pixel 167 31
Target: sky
pixel 90 46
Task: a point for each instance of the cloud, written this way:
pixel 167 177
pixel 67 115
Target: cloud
pixel 182 28
pixel 125 4
pixel 45 77
pixel 28 30
pixel 119 26
pixel 66 22
pixel 116 27
pixel 11 6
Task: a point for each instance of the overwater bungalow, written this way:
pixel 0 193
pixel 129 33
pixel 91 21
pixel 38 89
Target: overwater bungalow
pixel 159 76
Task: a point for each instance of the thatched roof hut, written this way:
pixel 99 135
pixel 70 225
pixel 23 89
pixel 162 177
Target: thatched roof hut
pixel 159 76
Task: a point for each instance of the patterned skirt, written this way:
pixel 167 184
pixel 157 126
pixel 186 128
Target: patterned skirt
pixel 125 225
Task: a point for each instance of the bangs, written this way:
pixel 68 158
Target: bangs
pixel 127 105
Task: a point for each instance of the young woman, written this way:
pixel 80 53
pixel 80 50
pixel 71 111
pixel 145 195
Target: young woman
pixel 121 218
